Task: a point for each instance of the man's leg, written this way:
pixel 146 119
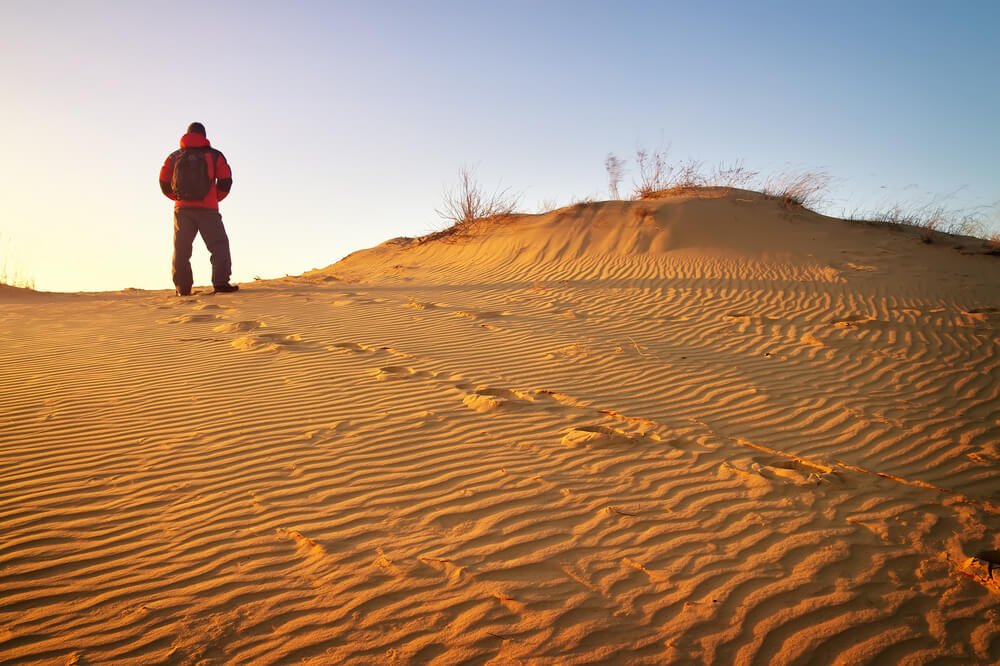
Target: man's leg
pixel 185 229
pixel 217 242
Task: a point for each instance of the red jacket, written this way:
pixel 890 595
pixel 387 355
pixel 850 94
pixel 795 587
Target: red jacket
pixel 218 172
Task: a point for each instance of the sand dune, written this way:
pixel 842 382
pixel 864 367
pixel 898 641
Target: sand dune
pixel 707 428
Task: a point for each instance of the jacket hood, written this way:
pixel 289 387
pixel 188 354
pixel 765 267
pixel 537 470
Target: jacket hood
pixel 194 140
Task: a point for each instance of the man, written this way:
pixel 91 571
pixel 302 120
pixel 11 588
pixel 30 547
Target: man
pixel 197 177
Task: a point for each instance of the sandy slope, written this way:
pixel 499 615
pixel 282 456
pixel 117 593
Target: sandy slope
pixel 702 429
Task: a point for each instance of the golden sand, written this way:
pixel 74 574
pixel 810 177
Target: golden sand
pixel 707 428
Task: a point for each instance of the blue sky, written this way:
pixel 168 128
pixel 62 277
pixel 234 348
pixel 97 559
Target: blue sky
pixel 344 121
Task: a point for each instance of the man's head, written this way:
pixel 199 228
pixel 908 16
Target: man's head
pixel 196 128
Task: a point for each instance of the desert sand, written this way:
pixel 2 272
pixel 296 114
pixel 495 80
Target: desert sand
pixel 708 428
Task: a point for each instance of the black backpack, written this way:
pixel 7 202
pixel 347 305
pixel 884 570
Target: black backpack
pixel 191 181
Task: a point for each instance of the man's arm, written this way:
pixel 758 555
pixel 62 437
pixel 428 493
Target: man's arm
pixel 224 177
pixel 166 176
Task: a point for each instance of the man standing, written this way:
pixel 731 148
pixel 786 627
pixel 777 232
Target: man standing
pixel 197 177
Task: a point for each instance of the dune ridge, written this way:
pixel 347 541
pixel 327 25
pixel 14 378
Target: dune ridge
pixel 700 429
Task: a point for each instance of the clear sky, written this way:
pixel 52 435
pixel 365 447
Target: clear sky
pixel 344 121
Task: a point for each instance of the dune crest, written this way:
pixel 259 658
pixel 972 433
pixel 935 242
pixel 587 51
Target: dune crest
pixel 701 429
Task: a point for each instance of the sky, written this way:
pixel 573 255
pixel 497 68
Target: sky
pixel 345 122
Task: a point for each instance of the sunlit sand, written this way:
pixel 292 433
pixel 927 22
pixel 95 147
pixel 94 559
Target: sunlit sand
pixel 707 428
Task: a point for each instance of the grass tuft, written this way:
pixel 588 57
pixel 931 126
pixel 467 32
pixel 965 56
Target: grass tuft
pixel 10 274
pixel 467 206
pixel 805 189
pixel 932 223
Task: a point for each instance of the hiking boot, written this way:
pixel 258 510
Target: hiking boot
pixel 226 288
pixel 181 291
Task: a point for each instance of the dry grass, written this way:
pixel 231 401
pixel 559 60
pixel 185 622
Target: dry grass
pixel 616 169
pixel 547 206
pixel 654 172
pixel 659 178
pixel 10 274
pixel 806 189
pixel 467 206
pixel 992 245
pixel 732 175
pixel 931 222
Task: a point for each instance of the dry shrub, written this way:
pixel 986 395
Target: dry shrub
pixel 687 175
pixel 803 189
pixel 10 274
pixel 930 221
pixel 467 205
pixel 733 175
pixel 993 244
pixel 616 169
pixel 654 172
pixel 970 224
pixel 547 205
pixel 659 178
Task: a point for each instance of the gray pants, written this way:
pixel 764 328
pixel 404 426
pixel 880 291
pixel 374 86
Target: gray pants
pixel 188 222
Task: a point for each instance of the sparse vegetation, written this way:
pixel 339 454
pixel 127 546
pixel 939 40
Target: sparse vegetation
pixel 932 222
pixel 467 205
pixel 547 205
pixel 616 169
pixel 659 178
pixel 806 188
pixel 733 175
pixel 654 172
pixel 993 244
pixel 10 274
pixel 586 199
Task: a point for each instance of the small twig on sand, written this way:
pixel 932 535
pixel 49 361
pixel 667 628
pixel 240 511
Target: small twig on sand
pixel 639 351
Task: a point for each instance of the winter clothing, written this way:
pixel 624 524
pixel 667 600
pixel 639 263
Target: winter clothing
pixel 201 216
pixel 218 171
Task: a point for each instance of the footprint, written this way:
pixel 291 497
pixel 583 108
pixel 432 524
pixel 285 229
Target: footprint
pixel 401 372
pixel 598 435
pixel 422 305
pixel 266 342
pixel 573 352
pixel 239 326
pixel 187 319
pixel 282 339
pixel 355 347
pixel 353 298
pixel 780 470
pixel 486 399
pixel 488 314
pixel 313 552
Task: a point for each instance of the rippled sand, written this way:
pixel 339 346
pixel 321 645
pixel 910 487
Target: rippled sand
pixel 701 429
